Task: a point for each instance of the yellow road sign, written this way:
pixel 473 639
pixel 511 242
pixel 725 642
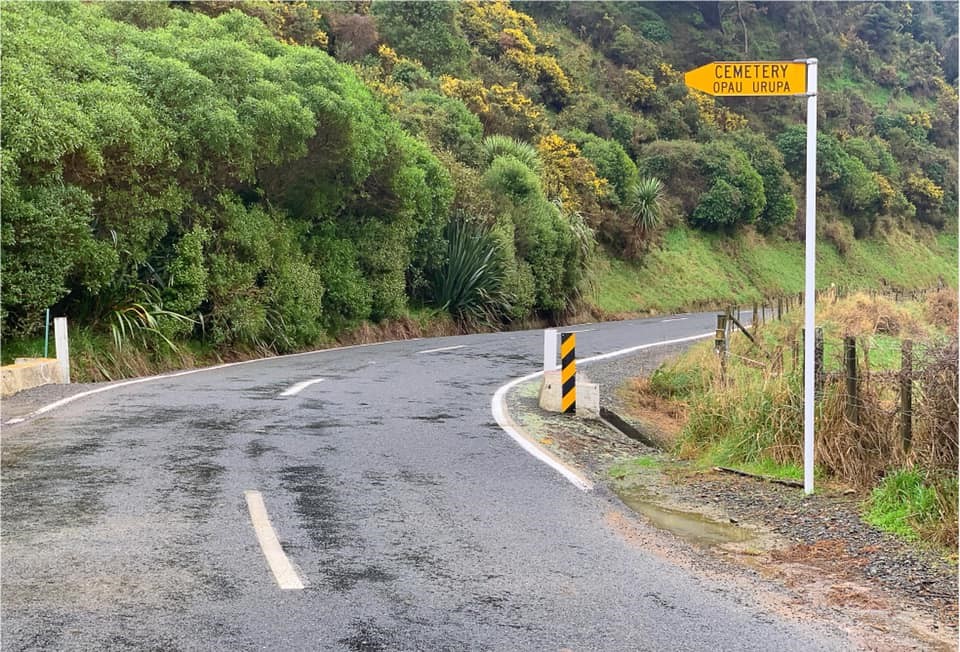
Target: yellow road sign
pixel 746 78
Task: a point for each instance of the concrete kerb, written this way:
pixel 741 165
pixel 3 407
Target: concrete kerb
pixel 26 373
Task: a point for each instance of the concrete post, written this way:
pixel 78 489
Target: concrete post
pixel 63 348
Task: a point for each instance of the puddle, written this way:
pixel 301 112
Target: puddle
pixel 690 526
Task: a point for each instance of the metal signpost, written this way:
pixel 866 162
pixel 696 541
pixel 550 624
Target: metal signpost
pixel 767 78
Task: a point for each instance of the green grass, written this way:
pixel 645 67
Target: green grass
pixel 625 468
pixel 903 503
pixel 693 269
pixel 885 351
pixel 764 467
pixel 27 348
pixel 686 271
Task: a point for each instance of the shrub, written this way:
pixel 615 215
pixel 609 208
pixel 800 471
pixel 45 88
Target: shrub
pixel 568 176
pixel 718 207
pixel 611 160
pixel 500 145
pixel 518 282
pixel 471 285
pixel 546 242
pixel 510 177
pixel 445 122
pixel 674 162
pixel 354 35
pixel 426 31
pixel 644 201
pixel 186 286
pixel 736 195
pixel 780 206
pixel 926 195
pixel 348 297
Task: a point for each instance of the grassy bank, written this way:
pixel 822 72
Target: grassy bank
pixel 692 269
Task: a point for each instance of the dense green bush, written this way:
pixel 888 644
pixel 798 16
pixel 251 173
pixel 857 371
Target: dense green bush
pixel 545 241
pixel 197 157
pixel 716 184
pixel 720 206
pixel 445 122
pixel 611 160
pixel 855 188
pixel 780 207
pixel 426 31
pixel 348 297
pixel 510 177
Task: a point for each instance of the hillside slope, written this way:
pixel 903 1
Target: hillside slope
pixel 268 175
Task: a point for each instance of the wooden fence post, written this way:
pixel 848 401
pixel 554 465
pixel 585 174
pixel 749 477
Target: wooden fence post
pixel 906 394
pixel 850 364
pixel 720 345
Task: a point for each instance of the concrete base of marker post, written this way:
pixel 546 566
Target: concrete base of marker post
pixel 588 394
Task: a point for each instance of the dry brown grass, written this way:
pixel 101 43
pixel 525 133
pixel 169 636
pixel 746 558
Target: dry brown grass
pixel 940 309
pixel 862 314
pixel 402 328
pixel 664 416
pixel 859 453
pixel 935 416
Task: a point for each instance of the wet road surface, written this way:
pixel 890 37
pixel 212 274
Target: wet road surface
pixel 412 520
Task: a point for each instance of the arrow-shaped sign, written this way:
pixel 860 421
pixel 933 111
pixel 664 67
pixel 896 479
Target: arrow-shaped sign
pixel 749 78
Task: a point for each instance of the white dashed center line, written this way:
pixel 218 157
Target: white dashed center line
pixel 445 348
pixel 299 387
pixel 283 570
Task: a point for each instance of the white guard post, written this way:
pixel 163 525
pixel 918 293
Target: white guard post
pixel 550 350
pixel 63 348
pixel 809 301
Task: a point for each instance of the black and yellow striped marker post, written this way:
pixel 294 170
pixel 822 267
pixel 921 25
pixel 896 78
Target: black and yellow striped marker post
pixel 568 373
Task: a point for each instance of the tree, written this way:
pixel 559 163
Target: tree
pixel 426 31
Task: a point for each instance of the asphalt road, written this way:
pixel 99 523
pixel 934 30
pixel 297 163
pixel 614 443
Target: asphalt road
pixel 411 519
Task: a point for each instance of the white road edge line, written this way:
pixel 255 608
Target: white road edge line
pixel 299 387
pixel 498 405
pixel 283 570
pixel 665 321
pixel 71 399
pixel 445 348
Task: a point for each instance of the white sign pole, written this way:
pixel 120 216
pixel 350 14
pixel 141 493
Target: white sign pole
pixel 810 296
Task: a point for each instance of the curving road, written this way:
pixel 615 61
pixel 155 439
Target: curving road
pixel 409 517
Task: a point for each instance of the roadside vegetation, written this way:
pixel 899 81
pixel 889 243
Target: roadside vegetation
pixel 212 180
pixel 749 414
